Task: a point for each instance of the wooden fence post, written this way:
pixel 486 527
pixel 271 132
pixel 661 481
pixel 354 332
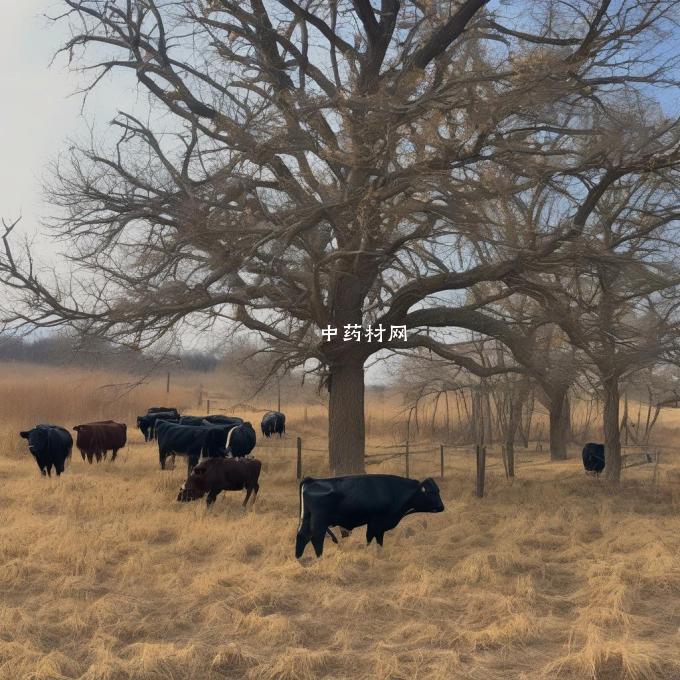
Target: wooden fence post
pixel 656 471
pixel 407 461
pixel 481 469
pixel 208 407
pixel 167 384
pixel 441 461
pixel 299 459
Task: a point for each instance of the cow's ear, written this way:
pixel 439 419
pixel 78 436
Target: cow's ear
pixel 25 434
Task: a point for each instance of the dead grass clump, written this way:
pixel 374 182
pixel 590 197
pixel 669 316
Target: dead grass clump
pixel 294 663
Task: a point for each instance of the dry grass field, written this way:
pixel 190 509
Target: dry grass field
pixel 103 575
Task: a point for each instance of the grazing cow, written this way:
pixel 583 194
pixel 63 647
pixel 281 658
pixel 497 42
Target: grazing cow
pixel 593 458
pixel 192 421
pixel 241 440
pixel 50 445
pixel 190 441
pixel 163 409
pixel 147 423
pixel 210 420
pixel 213 475
pixel 273 422
pixel 95 439
pixel 379 501
pixel 223 420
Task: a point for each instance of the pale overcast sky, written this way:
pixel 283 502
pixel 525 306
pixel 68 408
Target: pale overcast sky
pixel 37 113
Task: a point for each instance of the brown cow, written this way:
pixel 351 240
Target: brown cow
pixel 95 439
pixel 213 475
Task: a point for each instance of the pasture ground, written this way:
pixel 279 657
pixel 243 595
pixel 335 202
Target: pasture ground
pixel 103 575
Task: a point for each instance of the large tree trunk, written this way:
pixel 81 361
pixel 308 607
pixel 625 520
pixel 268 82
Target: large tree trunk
pixel 346 430
pixel 612 432
pixel 560 424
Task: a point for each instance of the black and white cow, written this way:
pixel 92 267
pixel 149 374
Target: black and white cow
pixel 241 440
pixel 273 422
pixel 50 445
pixel 593 457
pixel 379 501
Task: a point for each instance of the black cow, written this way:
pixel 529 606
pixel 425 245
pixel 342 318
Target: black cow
pixel 210 420
pixel 147 423
pixel 241 440
pixel 223 420
pixel 214 475
pixel 205 441
pixel 379 501
pixel 273 422
pixel 192 421
pixel 593 457
pixel 163 409
pixel 50 445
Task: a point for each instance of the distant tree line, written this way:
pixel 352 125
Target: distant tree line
pixel 62 349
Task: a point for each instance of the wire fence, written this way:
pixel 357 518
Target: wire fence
pixel 443 455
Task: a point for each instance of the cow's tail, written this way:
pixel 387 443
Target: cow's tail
pixel 228 444
pixel 302 501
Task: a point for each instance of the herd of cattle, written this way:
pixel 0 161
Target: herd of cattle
pixel 218 450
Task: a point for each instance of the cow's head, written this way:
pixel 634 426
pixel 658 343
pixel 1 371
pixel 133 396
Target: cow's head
pixel 197 483
pixel 37 439
pixel 144 426
pixel 427 498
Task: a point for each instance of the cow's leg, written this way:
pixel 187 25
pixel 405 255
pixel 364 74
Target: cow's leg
pixel 332 536
pixel 319 527
pixel 256 488
pixel 377 528
pixel 161 457
pixel 317 541
pixel 114 453
pixel 43 472
pixel 82 455
pixel 304 534
pixel 249 490
pixel 212 495
pixel 59 467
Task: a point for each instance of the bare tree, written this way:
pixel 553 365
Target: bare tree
pixel 618 301
pixel 314 164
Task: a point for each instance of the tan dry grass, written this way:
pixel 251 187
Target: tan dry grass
pixel 103 575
